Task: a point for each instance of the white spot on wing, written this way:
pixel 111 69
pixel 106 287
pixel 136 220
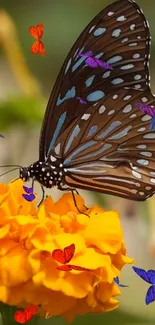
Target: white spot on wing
pixel 149 136
pixel 85 117
pixel 121 18
pixel 136 174
pixel 102 109
pixel 136 56
pixel 110 13
pixel 127 97
pixel 116 32
pixel 127 109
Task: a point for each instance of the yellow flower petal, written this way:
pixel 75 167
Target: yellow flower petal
pixel 29 272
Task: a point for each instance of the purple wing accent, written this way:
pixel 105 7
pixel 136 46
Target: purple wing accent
pixel 150 295
pixel 146 109
pixel 87 54
pixel 1 136
pixel 152 124
pixel 28 190
pixel 81 100
pixel 28 197
pixel 146 276
pixel 116 280
pixel 103 64
pixel 91 62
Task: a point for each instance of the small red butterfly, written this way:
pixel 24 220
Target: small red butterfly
pixel 64 256
pixel 37 33
pixel 23 317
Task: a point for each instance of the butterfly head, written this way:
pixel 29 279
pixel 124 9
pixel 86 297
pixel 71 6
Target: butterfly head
pixel 24 173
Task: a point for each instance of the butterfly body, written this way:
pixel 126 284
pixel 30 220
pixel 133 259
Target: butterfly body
pixel 46 174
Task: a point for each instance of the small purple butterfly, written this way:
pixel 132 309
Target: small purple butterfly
pixel 149 111
pixel 93 62
pixel 1 136
pixel 29 196
pixel 81 100
pixel 148 276
pixel 116 280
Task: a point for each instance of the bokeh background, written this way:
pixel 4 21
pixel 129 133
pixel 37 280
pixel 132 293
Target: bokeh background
pixel 25 85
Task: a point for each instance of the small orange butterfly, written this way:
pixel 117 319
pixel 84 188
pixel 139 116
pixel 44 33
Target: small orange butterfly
pixel 37 33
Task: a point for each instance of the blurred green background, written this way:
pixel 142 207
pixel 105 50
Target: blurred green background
pixel 25 85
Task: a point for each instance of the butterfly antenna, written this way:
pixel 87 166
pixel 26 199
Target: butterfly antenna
pixel 18 166
pixel 9 171
pixel 15 179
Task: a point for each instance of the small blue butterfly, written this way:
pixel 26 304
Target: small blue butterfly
pixel 148 276
pixel 29 196
pixel 116 280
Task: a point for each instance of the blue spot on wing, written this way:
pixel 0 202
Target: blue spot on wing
pixel 80 149
pixel 57 130
pixel 89 81
pixel 99 31
pixel 112 126
pixel 74 134
pixel 150 296
pixel 115 59
pixel 92 130
pixel 98 56
pixel 95 96
pixel 78 63
pixel 70 94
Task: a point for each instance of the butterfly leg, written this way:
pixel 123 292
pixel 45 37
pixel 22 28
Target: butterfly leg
pixel 73 195
pixel 43 195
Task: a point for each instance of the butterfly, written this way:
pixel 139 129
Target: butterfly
pixel 64 256
pixel 105 145
pixel 149 110
pixel 94 62
pixel 23 317
pixel 116 280
pixel 29 196
pixel 148 276
pixel 37 33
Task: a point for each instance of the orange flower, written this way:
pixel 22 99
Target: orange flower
pixel 29 275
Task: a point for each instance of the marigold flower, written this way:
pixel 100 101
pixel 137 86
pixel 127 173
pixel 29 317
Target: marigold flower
pixel 29 275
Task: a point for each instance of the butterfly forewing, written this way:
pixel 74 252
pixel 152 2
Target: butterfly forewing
pixel 118 35
pixel 110 148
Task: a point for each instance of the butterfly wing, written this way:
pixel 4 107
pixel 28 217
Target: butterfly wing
pixel 150 296
pixel 35 47
pixel 142 274
pixel 33 32
pixel 41 49
pixel 58 255
pixel 118 35
pixel 69 252
pixel 40 30
pixel 110 148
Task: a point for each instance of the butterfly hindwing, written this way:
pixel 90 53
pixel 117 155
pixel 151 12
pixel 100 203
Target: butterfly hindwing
pixel 119 36
pixel 110 148
pixel 150 295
